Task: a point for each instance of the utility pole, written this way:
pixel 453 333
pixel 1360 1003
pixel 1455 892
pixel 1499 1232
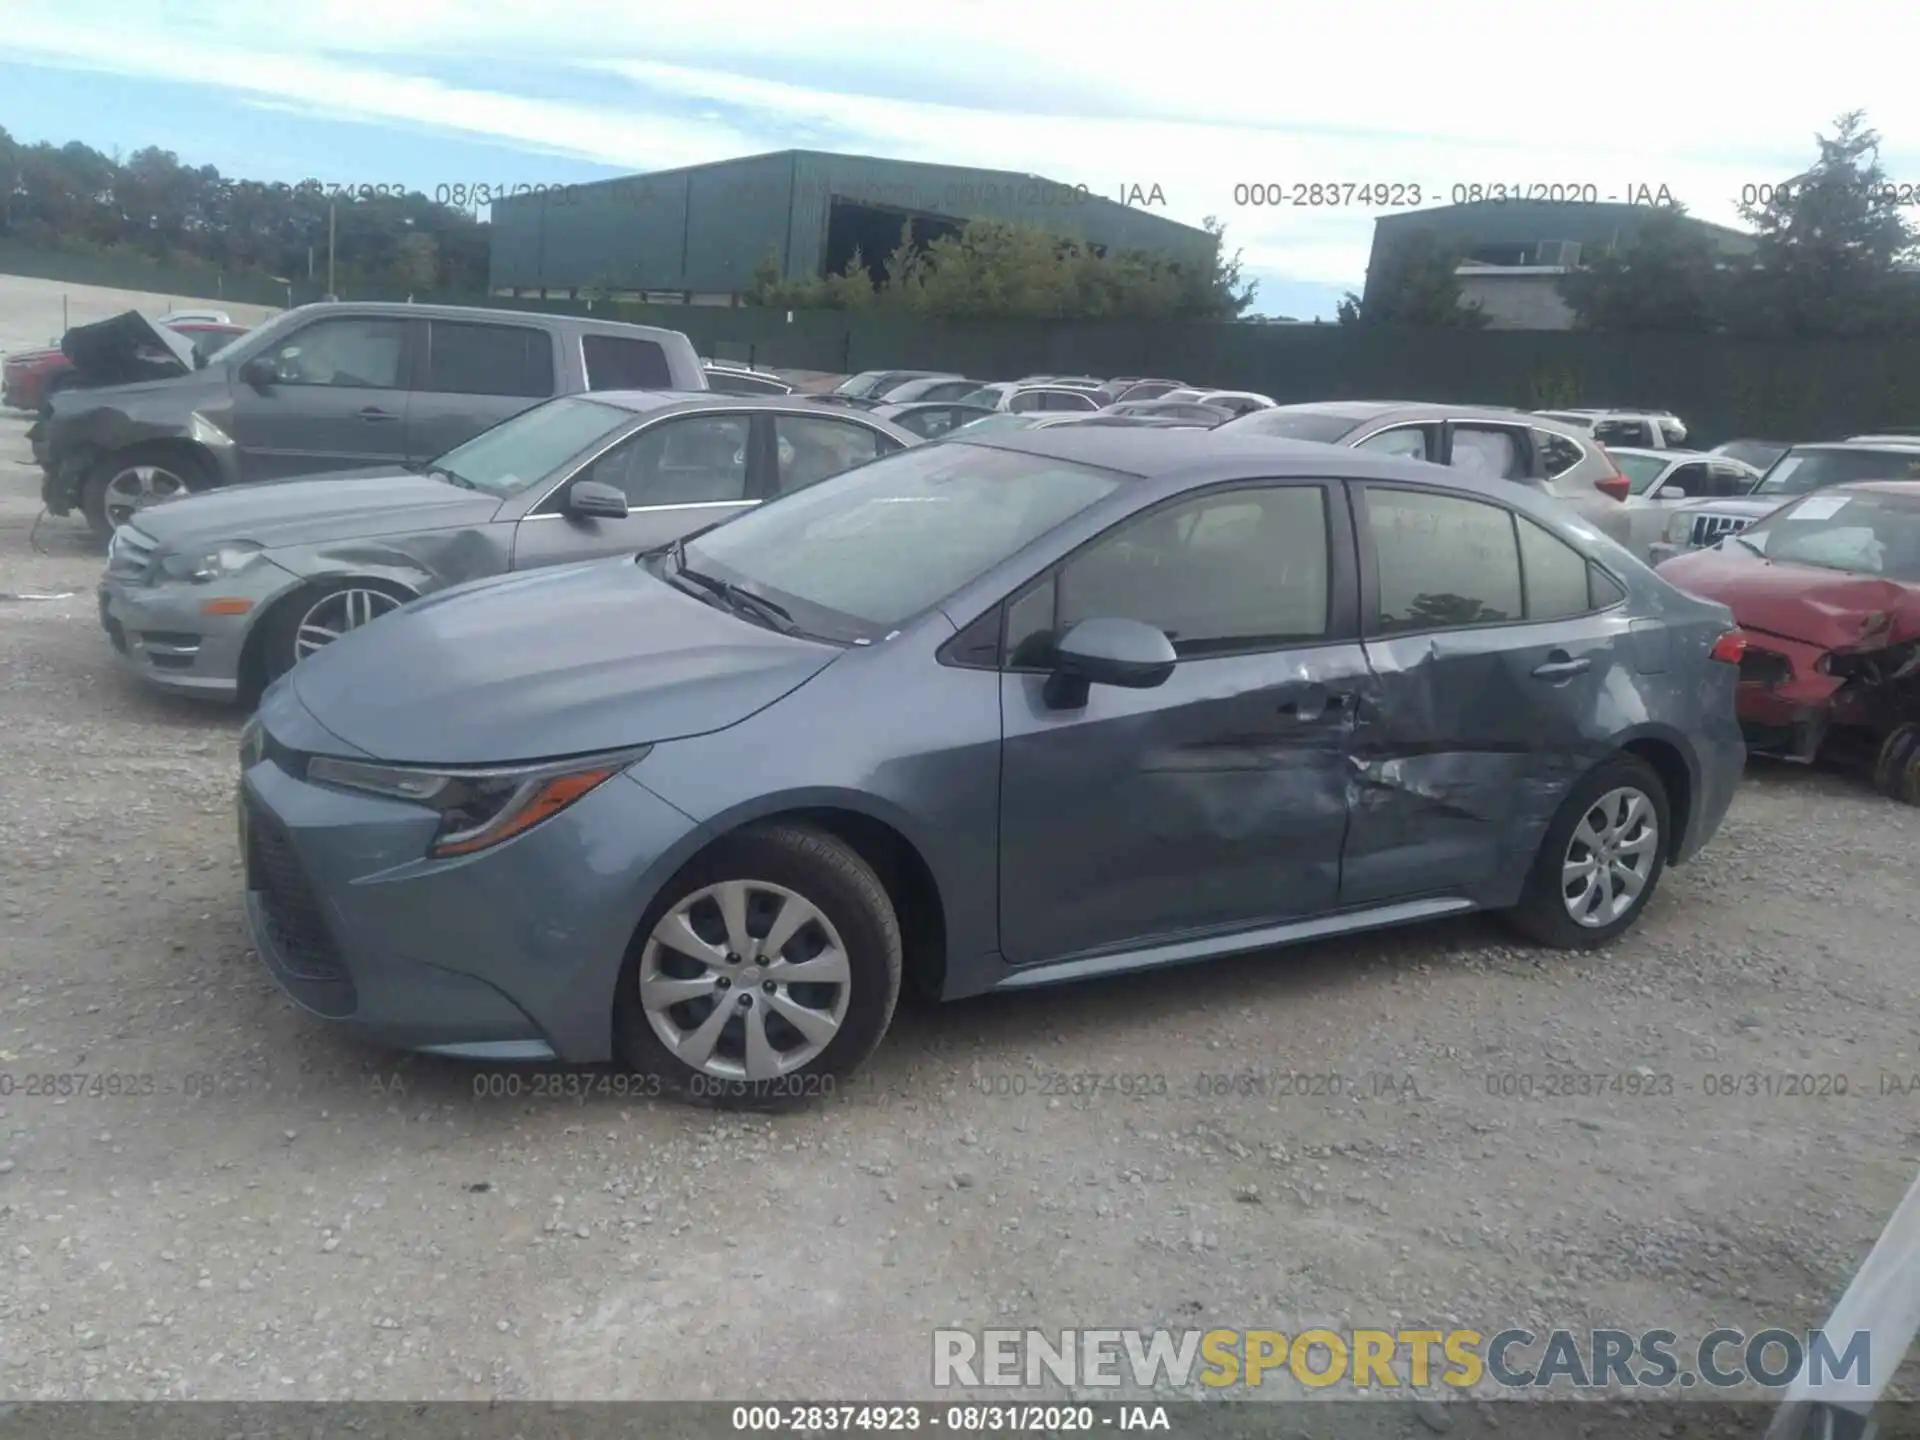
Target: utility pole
pixel 332 294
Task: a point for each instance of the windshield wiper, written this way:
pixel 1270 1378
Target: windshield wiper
pixel 1743 541
pixel 440 472
pixel 774 615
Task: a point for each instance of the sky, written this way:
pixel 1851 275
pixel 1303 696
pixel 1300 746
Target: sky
pixel 1207 111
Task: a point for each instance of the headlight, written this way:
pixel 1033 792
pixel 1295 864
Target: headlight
pixel 253 744
pixel 229 559
pixel 479 808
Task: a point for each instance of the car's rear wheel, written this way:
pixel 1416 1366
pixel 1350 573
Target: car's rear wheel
pixel 769 967
pixel 123 484
pixel 309 620
pixel 1601 858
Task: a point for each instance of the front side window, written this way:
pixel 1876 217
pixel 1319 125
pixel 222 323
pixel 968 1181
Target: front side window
pixel 812 448
pixel 691 460
pixel 1687 481
pixel 1232 570
pixel 1862 532
pixel 467 359
pixel 1442 561
pixel 1490 452
pixel 363 351
pixel 532 445
pixel 615 362
pixel 1409 442
pixel 1027 402
pixel 876 546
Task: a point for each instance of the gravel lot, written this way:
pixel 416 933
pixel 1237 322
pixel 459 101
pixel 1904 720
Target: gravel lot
pixel 280 1212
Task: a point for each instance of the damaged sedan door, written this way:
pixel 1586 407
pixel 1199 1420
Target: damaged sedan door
pixel 1216 800
pixel 1496 650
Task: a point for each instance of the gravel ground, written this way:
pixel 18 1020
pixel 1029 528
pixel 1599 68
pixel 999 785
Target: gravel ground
pixel 280 1212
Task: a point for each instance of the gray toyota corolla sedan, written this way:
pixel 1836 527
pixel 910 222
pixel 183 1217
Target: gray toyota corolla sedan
pixel 984 715
pixel 218 594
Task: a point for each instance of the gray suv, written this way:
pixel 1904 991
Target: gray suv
pixel 332 387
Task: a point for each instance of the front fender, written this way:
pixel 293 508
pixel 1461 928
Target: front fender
pixel 420 564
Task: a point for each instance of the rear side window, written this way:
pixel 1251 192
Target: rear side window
pixel 617 363
pixel 1441 561
pixel 488 360
pixel 1624 432
pixel 1489 451
pixel 1602 589
pixel 1557 453
pixel 1553 572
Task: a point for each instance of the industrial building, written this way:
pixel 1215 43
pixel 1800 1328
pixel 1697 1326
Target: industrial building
pixel 695 235
pixel 1516 251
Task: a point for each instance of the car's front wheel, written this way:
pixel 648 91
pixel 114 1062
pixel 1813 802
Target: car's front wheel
pixel 769 967
pixel 1601 859
pixel 121 485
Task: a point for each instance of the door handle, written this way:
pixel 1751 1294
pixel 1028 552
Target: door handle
pixel 374 412
pixel 1561 666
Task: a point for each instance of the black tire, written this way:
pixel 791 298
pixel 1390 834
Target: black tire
pixel 1542 914
pixel 277 631
pixel 193 473
pixel 1890 766
pixel 843 888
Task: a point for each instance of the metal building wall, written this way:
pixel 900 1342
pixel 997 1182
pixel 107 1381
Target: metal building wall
pixel 705 228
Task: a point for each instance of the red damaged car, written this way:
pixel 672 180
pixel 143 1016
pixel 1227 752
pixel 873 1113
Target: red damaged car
pixel 1826 590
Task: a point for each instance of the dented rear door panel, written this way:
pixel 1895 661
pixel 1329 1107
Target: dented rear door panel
pixel 1462 754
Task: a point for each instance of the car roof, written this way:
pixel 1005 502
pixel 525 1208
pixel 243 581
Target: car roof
pixel 1362 410
pixel 1909 488
pixel 1674 455
pixel 1892 443
pixel 402 309
pixel 647 402
pixel 1155 453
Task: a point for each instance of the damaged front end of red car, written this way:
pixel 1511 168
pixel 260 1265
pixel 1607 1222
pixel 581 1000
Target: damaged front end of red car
pixel 1799 700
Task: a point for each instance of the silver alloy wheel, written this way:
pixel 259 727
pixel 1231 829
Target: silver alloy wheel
pixel 335 613
pixel 1610 857
pixel 137 487
pixel 745 980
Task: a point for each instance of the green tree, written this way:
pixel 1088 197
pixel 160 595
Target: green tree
pixel 1827 244
pixel 1670 278
pixel 1416 286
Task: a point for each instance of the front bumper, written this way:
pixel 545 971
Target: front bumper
pixel 163 634
pixel 510 954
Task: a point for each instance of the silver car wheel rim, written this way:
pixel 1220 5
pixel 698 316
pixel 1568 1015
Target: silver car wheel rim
pixel 137 487
pixel 333 615
pixel 745 980
pixel 1610 857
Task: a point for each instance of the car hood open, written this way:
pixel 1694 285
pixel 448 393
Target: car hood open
pixel 1827 608
pixel 564 661
pixel 350 505
pixel 126 349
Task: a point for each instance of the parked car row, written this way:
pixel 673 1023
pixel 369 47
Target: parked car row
pixel 846 693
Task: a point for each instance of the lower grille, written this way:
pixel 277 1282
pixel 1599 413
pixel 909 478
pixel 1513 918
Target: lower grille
pixel 292 911
pixel 1712 529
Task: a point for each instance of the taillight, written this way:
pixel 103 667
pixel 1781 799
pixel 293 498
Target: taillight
pixel 1615 486
pixel 1729 648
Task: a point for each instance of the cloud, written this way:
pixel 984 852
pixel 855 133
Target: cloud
pixel 1358 93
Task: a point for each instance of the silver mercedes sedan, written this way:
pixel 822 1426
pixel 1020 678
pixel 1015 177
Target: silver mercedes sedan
pixel 219 594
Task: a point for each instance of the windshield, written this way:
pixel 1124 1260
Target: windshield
pixel 1757 453
pixel 870 548
pixel 532 445
pixel 1863 532
pixel 999 420
pixel 987 395
pixel 1641 470
pixel 1323 426
pixel 1802 471
pixel 860 384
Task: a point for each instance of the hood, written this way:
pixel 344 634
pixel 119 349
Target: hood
pixel 352 505
pixel 1826 608
pixel 563 661
pixel 127 348
pixel 1730 506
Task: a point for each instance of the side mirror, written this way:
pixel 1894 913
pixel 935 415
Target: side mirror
pixel 590 500
pixel 1126 653
pixel 259 372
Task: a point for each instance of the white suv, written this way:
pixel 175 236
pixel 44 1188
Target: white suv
pixel 1642 429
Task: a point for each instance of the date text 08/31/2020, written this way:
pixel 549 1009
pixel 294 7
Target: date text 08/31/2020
pixel 1408 194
